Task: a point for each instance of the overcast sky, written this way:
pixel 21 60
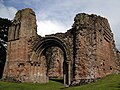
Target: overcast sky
pixel 57 15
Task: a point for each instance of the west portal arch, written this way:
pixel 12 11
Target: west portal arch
pixel 47 42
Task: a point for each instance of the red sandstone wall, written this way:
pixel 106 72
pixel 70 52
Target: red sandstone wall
pixel 92 52
pixel 20 38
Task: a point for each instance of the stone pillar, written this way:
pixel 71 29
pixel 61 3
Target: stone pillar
pixel 35 72
pixel 69 73
pixel 29 72
pixel 64 72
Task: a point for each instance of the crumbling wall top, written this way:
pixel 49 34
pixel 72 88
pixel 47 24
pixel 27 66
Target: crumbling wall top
pixel 91 21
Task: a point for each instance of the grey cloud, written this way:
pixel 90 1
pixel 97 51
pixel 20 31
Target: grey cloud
pixel 63 11
pixel 66 11
pixel 7 12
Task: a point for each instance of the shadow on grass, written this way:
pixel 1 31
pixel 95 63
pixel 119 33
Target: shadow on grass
pixel 58 80
pixel 118 86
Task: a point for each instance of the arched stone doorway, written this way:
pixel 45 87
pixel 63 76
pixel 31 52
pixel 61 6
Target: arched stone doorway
pixel 54 59
pixel 39 58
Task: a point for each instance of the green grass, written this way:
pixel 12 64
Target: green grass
pixel 111 82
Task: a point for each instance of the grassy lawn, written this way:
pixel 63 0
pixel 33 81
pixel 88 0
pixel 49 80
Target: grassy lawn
pixel 111 82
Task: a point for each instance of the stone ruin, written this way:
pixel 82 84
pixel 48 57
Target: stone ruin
pixel 82 55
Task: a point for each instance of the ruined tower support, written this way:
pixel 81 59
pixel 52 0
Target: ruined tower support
pixel 94 48
pixel 20 37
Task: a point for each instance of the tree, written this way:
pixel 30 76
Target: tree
pixel 4 26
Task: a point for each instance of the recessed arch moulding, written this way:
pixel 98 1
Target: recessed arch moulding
pixel 83 54
pixel 39 58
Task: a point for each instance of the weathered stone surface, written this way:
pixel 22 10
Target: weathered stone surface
pixel 82 55
pixel 54 56
pixel 94 48
pixel 20 38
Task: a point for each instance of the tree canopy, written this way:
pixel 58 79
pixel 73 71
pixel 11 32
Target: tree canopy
pixel 4 26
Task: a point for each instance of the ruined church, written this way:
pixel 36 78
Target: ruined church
pixel 81 55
